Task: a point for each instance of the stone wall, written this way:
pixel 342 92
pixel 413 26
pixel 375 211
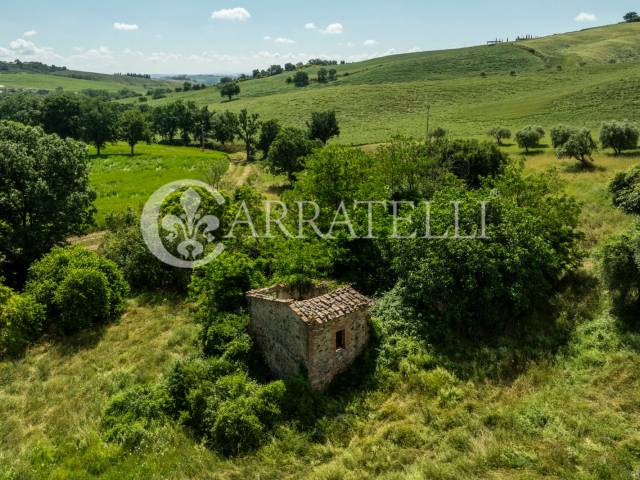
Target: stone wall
pixel 280 335
pixel 325 361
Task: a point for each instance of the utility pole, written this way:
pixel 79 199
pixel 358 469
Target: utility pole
pixel 428 115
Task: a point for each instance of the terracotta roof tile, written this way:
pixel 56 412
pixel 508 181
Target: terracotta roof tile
pixel 335 304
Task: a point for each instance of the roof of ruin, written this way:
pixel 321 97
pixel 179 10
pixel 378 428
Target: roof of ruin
pixel 332 305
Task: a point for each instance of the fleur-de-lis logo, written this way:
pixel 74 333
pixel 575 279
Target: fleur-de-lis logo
pixel 188 225
pixel 191 230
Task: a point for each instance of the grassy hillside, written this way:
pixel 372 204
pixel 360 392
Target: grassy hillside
pixel 561 78
pixel 78 81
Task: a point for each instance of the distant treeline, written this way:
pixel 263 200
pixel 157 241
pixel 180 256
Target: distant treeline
pixel 31 67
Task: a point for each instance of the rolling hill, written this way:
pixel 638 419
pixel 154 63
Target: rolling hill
pixel 73 81
pixel 581 77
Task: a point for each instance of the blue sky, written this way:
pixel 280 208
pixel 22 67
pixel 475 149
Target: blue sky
pixel 216 36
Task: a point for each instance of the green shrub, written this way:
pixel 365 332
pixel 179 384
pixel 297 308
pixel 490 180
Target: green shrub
pixel 237 428
pixel 131 416
pixel 579 146
pixel 224 335
pixel 21 321
pixel 620 264
pixel 221 284
pixel 77 287
pixel 625 188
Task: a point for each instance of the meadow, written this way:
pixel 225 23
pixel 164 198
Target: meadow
pixel 580 78
pixel 77 81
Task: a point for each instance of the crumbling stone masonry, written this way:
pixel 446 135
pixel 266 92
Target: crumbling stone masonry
pixel 317 333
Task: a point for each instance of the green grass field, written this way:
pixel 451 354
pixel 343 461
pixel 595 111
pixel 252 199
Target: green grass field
pixel 386 95
pixel 69 82
pixel 122 181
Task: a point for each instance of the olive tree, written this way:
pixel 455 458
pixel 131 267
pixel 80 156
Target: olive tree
pixel 529 137
pixel 560 134
pixel 579 146
pixel 619 136
pixel 499 133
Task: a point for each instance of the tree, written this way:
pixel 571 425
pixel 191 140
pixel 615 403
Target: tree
pixel 184 114
pixel 499 133
pixel 21 321
pixel 62 115
pixel 225 127
pixel 25 108
pixel 332 74
pixel 289 67
pixel 631 17
pixel 45 194
pixel 322 75
pixel 619 136
pixel 484 287
pixel 99 123
pixel 323 126
pixel 202 124
pixel 301 79
pixel 134 127
pixel 268 134
pixel 287 151
pixel 165 121
pixel 529 137
pixel 579 146
pixel 561 134
pixel 470 160
pixel 229 89
pixel 249 125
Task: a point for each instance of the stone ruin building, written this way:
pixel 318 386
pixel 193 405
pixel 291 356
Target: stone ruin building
pixel 316 333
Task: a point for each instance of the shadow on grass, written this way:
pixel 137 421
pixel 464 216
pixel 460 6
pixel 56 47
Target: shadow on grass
pixel 582 168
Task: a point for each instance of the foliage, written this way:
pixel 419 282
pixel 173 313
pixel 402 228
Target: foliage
pixel 21 321
pixel 499 133
pixel 229 89
pixel 561 134
pixel 134 127
pixel 301 79
pixel 77 287
pixel 44 193
pixel 249 125
pixel 323 126
pixel 477 286
pixel 529 137
pixel 288 150
pixel 225 127
pixel 99 122
pixel 62 115
pixel 470 160
pixel 221 284
pixel 580 146
pixel 620 265
pixel 268 133
pixel 625 188
pixel 224 335
pixel 619 136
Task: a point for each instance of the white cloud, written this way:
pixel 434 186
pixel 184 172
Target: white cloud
pixel 30 33
pixel 586 17
pixel 333 29
pixel 284 40
pixel 310 26
pixel 126 27
pixel 267 38
pixel 369 43
pixel 237 14
pixel 100 53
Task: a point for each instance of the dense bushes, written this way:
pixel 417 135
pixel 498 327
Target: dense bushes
pixel 21 321
pixel 620 262
pixel 479 286
pixel 77 287
pixel 221 285
pixel 625 188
